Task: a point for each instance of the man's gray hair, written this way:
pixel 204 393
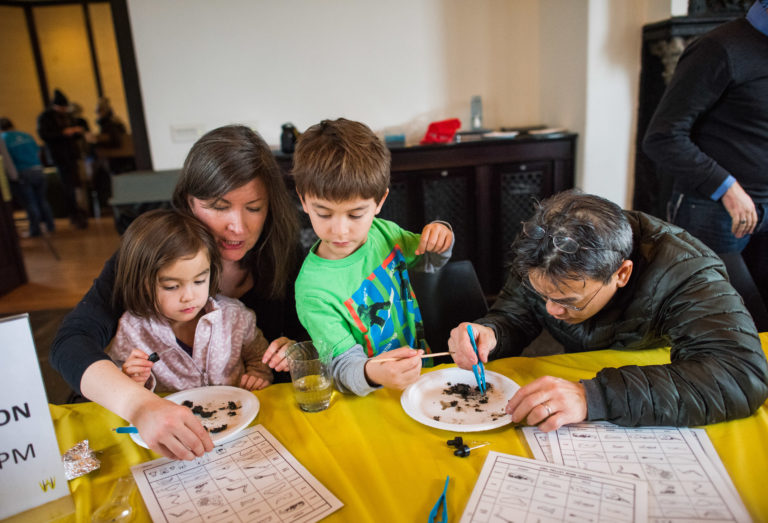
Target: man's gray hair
pixel 599 228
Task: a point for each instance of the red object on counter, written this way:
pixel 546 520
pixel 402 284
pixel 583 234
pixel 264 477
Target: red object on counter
pixel 441 132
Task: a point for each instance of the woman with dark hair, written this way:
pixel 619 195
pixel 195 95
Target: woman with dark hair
pixel 231 182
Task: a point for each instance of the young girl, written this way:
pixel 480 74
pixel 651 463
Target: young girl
pixel 168 270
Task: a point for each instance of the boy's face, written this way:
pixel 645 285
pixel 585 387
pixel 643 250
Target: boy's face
pixel 341 226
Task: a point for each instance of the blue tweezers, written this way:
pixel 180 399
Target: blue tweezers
pixel 479 375
pixel 441 502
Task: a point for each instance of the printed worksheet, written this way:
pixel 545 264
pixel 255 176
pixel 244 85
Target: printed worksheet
pixel 512 488
pixel 249 478
pixel 685 482
pixel 538 442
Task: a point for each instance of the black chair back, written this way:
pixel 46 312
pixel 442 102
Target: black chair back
pixel 446 298
pixel 742 281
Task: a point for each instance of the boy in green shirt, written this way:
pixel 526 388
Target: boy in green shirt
pixel 353 294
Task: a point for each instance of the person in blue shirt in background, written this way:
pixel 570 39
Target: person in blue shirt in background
pixel 29 187
pixel 710 133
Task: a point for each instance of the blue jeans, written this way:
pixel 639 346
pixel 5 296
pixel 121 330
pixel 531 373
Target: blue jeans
pixel 710 222
pixel 30 191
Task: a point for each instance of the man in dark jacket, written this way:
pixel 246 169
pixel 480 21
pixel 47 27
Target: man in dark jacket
pixel 597 277
pixel 59 132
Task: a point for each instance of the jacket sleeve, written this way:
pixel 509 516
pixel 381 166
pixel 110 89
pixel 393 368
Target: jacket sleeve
pixel 718 369
pixel 701 77
pixel 87 330
pixel 348 371
pixel 512 319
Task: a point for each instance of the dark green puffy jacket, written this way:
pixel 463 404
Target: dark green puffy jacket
pixel 678 296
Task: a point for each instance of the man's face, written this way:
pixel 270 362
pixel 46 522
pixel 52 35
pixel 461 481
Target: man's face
pixel 576 300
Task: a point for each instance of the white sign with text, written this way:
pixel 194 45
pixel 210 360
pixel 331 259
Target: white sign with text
pixel 31 471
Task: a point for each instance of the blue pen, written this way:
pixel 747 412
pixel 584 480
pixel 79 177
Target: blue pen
pixel 126 430
pixel 479 376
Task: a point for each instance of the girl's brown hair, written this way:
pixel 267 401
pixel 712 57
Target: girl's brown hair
pixel 225 159
pixel 152 241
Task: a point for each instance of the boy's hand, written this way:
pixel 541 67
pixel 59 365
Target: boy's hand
pixel 274 356
pixel 461 348
pixel 435 237
pixel 251 382
pixel 395 374
pixel 137 366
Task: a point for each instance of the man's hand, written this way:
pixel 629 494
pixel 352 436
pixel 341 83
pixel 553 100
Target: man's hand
pixel 461 348
pixel 549 403
pixel 742 210
pixel 274 356
pixel 435 237
pixel 396 374
pixel 171 430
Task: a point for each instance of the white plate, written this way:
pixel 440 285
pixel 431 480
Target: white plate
pixel 426 402
pixel 215 397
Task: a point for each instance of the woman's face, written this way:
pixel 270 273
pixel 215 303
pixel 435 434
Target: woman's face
pixel 236 219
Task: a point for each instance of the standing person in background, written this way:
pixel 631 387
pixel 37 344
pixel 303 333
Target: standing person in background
pixel 29 185
pixel 710 132
pixel 59 132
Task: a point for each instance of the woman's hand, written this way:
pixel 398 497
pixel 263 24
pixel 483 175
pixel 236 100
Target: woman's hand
pixel 167 428
pixel 435 237
pixel 396 374
pixel 137 366
pixel 170 429
pixel 274 356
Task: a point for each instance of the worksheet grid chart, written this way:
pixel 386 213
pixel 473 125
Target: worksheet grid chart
pixel 518 492
pixel 243 480
pixel 678 484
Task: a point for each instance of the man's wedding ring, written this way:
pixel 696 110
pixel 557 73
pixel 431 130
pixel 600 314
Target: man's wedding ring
pixel 549 410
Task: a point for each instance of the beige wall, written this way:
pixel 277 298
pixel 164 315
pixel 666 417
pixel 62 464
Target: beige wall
pixel 20 98
pixel 66 60
pixel 66 56
pixel 108 60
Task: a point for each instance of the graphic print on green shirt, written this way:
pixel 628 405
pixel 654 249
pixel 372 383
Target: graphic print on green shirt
pixel 385 310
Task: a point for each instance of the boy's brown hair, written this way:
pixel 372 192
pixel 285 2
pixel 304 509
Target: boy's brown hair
pixel 338 160
pixel 154 240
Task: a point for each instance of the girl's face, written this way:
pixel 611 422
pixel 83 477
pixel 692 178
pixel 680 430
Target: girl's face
pixel 182 287
pixel 236 219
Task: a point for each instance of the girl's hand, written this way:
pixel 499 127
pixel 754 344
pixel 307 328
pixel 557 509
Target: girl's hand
pixel 250 382
pixel 275 354
pixel 137 366
pixel 435 237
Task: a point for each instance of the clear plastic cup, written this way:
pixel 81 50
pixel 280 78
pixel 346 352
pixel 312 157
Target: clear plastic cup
pixel 311 376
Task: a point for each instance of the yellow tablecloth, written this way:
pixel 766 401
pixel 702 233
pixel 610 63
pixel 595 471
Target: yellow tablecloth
pixel 383 465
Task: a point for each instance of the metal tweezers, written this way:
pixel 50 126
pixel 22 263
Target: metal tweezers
pixel 441 502
pixel 479 375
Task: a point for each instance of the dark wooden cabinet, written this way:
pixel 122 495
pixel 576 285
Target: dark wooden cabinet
pixel 484 189
pixel 12 271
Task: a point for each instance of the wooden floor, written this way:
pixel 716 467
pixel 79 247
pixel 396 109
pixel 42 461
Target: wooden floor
pixel 59 284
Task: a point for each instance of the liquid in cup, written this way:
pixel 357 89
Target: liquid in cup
pixel 311 377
